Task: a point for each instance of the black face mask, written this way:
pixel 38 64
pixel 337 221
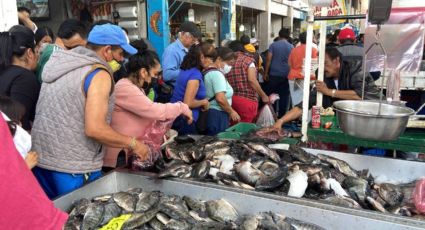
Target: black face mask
pixel 147 87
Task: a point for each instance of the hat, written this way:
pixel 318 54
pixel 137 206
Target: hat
pixel 347 33
pixel 191 28
pixel 109 34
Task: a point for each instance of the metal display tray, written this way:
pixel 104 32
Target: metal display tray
pixel 244 201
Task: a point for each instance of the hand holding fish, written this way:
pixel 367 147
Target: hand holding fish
pixel 141 150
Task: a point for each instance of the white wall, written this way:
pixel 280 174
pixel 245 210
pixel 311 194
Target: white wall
pixel 276 25
pixel 8 14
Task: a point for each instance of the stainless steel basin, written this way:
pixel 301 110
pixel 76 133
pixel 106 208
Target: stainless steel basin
pixel 364 119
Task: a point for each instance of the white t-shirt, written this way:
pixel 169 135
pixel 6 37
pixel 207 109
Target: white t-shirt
pixel 22 139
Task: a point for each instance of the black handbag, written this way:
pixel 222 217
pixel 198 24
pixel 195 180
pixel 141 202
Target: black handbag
pixel 202 122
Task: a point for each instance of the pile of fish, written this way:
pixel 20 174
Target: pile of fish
pixel 293 172
pixel 157 211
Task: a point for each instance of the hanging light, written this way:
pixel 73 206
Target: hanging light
pixel 241 27
pixel 253 29
pixel 191 14
pixel 215 23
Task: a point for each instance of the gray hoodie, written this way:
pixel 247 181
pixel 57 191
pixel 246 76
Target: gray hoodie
pixel 58 133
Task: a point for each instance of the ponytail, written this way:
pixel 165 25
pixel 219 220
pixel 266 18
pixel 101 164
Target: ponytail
pixel 6 50
pixel 14 43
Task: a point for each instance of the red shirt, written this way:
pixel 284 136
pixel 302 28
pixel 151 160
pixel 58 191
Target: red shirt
pixel 295 61
pixel 238 77
pixel 24 205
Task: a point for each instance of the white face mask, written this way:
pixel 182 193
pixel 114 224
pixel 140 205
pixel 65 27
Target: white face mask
pixel 22 139
pixel 226 68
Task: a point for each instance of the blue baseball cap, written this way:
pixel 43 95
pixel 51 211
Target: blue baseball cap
pixel 108 34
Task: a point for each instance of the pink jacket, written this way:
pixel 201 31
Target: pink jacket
pixel 134 112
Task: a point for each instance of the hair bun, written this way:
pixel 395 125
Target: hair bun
pixel 140 45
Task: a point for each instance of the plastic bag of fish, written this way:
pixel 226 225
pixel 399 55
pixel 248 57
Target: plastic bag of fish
pixel 292 172
pixel 154 210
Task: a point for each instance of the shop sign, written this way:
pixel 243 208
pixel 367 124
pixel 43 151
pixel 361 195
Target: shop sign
pixel 337 8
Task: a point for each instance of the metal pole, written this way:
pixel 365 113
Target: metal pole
pixel 339 17
pixel 307 72
pixel 322 48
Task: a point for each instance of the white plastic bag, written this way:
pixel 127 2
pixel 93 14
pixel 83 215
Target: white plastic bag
pixel 266 117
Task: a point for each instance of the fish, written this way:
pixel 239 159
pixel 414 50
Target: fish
pixel 111 210
pixel 135 191
pixel 164 219
pixel 201 169
pixel 301 225
pixel 221 210
pixel 215 145
pixel 177 225
pixel 174 211
pixel 342 201
pixel 198 218
pixel 214 226
pixel 247 173
pixel 299 183
pixel 270 153
pixel 250 223
pixel 376 204
pixel 138 219
pixel 79 207
pixel 156 224
pixel 391 194
pixel 357 188
pixel 93 216
pixel 271 133
pixel 341 165
pixel 147 201
pixel 226 163
pixel 268 168
pixel 269 183
pixel 196 205
pixel 73 223
pixel 210 154
pixel 334 185
pixel 186 156
pixel 310 169
pixel 125 200
pixel 176 170
pixel 103 198
pixel 301 155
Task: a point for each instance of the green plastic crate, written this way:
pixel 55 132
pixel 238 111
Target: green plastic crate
pixel 242 127
pixel 237 130
pixel 229 135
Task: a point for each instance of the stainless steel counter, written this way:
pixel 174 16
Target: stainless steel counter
pixel 246 202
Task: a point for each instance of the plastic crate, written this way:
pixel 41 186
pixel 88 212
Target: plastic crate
pixel 242 127
pixel 237 130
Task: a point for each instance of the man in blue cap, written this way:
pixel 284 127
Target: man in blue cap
pixel 73 112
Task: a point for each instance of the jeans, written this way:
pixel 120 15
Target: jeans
pixel 279 85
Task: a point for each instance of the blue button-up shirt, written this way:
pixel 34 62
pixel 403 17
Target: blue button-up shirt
pixel 171 60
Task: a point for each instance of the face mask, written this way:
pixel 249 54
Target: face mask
pixel 147 87
pixel 226 69
pixel 115 66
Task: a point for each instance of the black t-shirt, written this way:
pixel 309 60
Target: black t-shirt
pixel 21 85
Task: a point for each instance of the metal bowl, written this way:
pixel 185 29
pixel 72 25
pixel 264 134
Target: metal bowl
pixel 362 119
